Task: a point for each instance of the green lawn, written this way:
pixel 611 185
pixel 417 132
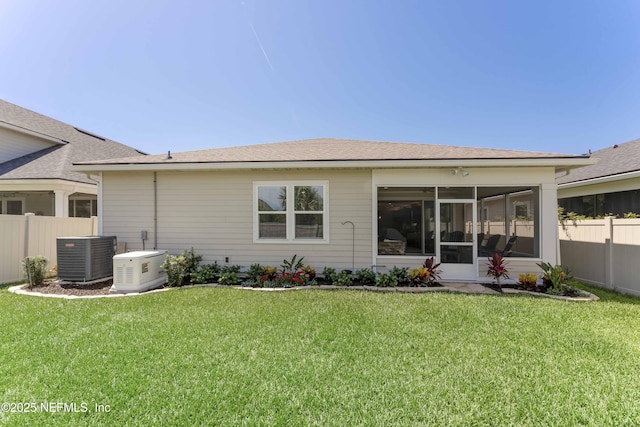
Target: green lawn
pixel 213 356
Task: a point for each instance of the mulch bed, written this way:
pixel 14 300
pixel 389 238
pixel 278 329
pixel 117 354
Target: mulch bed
pixel 569 292
pixel 356 283
pixel 55 287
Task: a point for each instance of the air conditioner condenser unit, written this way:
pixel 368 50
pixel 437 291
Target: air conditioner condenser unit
pixel 86 258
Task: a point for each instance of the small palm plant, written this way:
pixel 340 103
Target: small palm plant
pixel 497 268
pixel 293 265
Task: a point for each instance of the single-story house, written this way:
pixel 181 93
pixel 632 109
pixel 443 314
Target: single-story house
pixel 36 153
pixel 611 186
pixel 345 204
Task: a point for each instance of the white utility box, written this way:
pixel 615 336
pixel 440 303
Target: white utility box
pixel 138 271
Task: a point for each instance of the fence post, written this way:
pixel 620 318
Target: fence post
pixel 608 252
pixel 94 225
pixel 27 227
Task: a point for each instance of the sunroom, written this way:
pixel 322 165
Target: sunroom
pixel 460 224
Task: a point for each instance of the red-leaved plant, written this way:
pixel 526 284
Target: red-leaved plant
pixel 497 268
pixel 432 267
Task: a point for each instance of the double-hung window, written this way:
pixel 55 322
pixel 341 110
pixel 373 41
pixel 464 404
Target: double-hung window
pixel 291 211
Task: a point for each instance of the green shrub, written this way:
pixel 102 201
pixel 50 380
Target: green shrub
pixel 387 280
pixel 401 274
pixel 233 268
pixel 181 269
pixel 343 278
pixel 555 276
pixel 207 273
pixel 328 273
pixel 175 266
pixel 229 275
pixel 192 261
pixel 366 276
pixel 229 278
pixel 254 272
pixel 35 269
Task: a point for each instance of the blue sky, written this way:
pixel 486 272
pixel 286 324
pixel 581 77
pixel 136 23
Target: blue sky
pixel 559 76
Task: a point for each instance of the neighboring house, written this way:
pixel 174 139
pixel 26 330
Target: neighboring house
pixel 35 155
pixel 339 203
pixel 611 186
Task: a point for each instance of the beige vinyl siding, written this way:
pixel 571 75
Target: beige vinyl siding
pixel 213 213
pixel 494 176
pixel 127 207
pixel 15 144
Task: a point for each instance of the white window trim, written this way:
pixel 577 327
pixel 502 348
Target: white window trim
pixel 73 201
pixel 290 212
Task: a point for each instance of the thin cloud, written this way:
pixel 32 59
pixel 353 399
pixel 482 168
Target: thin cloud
pixel 264 52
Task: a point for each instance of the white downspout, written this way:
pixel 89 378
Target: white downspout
pixel 155 211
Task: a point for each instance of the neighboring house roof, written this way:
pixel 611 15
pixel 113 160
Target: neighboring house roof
pixel 76 145
pixel 616 160
pixel 328 150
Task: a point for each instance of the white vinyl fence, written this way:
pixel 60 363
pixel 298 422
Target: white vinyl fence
pixel 603 252
pixel 31 235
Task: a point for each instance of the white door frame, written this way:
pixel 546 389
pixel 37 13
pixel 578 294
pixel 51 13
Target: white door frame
pixel 458 271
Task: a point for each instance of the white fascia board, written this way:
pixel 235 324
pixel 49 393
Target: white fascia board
pixel 46 185
pixel 32 133
pixel 560 163
pixel 601 180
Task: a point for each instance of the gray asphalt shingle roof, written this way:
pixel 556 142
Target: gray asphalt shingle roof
pixel 54 162
pixel 614 160
pixel 329 149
